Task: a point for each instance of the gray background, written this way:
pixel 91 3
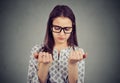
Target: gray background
pixel 23 24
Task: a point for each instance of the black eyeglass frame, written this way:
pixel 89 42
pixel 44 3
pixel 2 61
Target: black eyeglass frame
pixel 61 28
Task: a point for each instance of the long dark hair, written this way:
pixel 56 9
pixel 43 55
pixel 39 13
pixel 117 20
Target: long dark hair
pixel 65 11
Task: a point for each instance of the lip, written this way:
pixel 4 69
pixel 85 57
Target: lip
pixel 61 38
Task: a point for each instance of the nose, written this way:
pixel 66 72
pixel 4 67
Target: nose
pixel 62 32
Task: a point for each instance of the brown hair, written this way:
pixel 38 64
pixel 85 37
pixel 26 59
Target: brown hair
pixel 65 11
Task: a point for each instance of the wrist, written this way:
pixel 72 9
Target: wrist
pixel 43 65
pixel 72 66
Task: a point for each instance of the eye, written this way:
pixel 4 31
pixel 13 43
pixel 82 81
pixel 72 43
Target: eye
pixel 67 28
pixel 56 27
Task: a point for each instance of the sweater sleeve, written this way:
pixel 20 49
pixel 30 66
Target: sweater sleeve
pixel 81 71
pixel 32 68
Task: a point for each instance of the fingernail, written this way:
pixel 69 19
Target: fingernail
pixel 84 56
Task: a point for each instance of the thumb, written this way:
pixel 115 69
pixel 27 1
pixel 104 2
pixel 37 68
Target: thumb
pixel 35 55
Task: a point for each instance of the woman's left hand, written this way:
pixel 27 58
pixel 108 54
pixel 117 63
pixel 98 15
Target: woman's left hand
pixel 76 56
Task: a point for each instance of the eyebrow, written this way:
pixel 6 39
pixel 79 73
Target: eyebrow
pixel 61 26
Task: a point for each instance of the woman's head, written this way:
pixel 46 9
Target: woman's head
pixel 61 16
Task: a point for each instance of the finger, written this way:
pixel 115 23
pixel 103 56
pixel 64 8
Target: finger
pixel 77 55
pixel 47 57
pixel 74 56
pixel 40 57
pixel 70 54
pixel 82 53
pixel 44 53
pixel 44 58
pixel 36 55
pixel 50 57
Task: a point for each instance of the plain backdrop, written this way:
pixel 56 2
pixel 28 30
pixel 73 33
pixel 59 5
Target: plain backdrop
pixel 23 25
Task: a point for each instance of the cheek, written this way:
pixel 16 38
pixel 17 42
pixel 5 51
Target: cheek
pixel 67 36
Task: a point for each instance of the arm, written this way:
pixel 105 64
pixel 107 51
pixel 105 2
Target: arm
pixel 76 72
pixel 32 71
pixel 81 71
pixel 43 72
pixel 75 69
pixel 38 66
pixel 32 68
pixel 72 73
pixel 44 60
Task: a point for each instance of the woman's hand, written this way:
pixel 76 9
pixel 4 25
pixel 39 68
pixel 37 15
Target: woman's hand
pixel 43 57
pixel 44 62
pixel 76 56
pixel 36 54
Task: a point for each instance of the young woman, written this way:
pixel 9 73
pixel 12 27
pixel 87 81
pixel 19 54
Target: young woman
pixel 59 59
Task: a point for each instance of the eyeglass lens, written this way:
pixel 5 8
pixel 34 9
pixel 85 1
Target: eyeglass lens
pixel 58 29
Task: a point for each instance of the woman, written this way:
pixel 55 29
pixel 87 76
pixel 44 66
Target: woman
pixel 59 59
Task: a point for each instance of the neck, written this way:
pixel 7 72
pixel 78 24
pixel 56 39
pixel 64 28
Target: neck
pixel 60 46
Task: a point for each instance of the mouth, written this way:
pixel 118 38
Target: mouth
pixel 61 38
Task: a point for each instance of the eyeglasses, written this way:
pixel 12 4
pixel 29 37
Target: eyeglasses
pixel 58 29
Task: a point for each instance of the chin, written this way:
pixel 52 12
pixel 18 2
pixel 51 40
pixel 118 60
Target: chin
pixel 61 42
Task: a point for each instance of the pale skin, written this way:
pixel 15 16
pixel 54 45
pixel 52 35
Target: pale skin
pixel 45 59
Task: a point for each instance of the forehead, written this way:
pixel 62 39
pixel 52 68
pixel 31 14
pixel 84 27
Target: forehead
pixel 62 21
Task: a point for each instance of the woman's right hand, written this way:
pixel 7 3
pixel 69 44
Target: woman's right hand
pixel 43 57
pixel 44 62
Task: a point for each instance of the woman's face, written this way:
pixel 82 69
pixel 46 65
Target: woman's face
pixel 61 36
